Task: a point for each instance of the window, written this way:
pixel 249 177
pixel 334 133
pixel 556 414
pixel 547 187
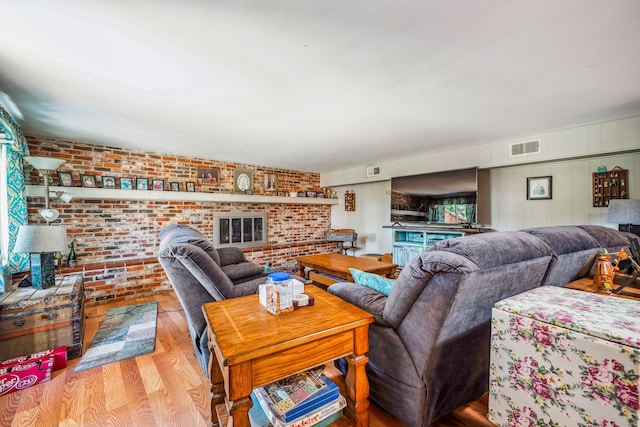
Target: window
pixel 245 230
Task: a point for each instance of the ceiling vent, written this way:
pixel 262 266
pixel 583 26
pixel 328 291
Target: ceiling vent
pixel 524 148
pixel 373 171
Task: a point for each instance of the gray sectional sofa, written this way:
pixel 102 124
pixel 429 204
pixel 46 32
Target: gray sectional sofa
pixel 430 342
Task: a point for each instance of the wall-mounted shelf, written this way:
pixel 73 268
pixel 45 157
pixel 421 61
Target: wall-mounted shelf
pixel 610 185
pixel 184 196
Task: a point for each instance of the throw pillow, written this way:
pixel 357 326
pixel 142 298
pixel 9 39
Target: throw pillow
pixel 373 281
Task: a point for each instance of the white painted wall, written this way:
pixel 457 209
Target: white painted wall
pixel 373 210
pixel 572 200
pixel 570 156
pixel 596 139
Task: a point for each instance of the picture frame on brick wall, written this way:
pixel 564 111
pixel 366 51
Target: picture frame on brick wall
pixel 65 179
pixel 209 175
pixel 270 182
pixel 88 180
pixel 158 185
pixel 142 183
pixel 191 187
pixel 108 182
pixel 126 183
pixel 175 186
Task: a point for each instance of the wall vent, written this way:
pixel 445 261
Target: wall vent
pixel 524 148
pixel 373 171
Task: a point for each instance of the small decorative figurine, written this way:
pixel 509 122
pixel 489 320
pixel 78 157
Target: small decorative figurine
pixel 603 270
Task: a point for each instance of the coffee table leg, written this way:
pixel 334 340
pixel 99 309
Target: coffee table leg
pixel 356 381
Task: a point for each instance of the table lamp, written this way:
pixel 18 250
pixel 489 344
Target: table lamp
pixel 41 241
pixel 624 212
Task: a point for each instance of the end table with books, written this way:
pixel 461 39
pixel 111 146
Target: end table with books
pixel 250 348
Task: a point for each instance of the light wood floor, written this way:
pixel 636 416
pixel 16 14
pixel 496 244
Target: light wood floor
pixel 165 388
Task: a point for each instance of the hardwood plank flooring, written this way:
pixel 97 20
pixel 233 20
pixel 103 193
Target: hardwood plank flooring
pixel 164 388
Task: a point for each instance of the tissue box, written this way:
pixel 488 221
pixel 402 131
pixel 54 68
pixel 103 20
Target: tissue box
pixel 298 286
pixel 262 292
pixel 562 354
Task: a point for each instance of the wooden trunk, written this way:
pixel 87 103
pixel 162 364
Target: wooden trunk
pixel 36 320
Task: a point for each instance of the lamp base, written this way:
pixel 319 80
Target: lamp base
pixel 43 270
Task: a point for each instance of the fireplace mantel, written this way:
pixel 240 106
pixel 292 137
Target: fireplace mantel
pixel 185 196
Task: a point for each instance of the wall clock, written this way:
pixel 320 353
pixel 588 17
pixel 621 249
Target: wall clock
pixel 243 181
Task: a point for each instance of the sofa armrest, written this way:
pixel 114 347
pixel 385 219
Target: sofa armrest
pixel 362 297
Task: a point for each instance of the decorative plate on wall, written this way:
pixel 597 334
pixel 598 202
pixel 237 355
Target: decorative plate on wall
pixel 242 181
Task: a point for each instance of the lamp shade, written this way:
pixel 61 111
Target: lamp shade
pixel 623 211
pixel 41 239
pixel 44 163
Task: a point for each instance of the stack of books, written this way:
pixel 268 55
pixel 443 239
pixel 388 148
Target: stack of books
pixel 301 400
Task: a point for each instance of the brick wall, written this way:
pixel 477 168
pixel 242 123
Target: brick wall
pixel 117 240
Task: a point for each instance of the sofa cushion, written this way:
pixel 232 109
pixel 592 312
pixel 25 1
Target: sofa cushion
pixel 241 270
pixel 573 249
pixel 608 238
pixel 372 281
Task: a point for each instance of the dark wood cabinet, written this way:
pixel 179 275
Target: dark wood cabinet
pixel 609 185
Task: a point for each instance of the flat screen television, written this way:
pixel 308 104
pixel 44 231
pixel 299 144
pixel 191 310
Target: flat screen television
pixel 456 197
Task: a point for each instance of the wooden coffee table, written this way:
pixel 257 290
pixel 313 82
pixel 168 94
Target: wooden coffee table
pixel 250 347
pixel 338 265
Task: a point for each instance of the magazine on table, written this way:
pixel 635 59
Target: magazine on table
pixel 308 390
pixel 293 390
pixel 260 414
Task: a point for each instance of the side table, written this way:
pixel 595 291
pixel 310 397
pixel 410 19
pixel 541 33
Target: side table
pixel 586 284
pixel 250 347
pixel 34 320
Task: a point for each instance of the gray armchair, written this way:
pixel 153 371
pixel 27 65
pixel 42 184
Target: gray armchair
pixel 200 273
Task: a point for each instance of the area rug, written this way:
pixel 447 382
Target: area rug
pixel 125 332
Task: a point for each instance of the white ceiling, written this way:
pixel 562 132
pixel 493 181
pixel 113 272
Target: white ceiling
pixel 316 85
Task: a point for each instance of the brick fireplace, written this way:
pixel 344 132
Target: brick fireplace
pixel 117 240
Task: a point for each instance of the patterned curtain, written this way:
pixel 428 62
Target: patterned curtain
pixel 15 149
